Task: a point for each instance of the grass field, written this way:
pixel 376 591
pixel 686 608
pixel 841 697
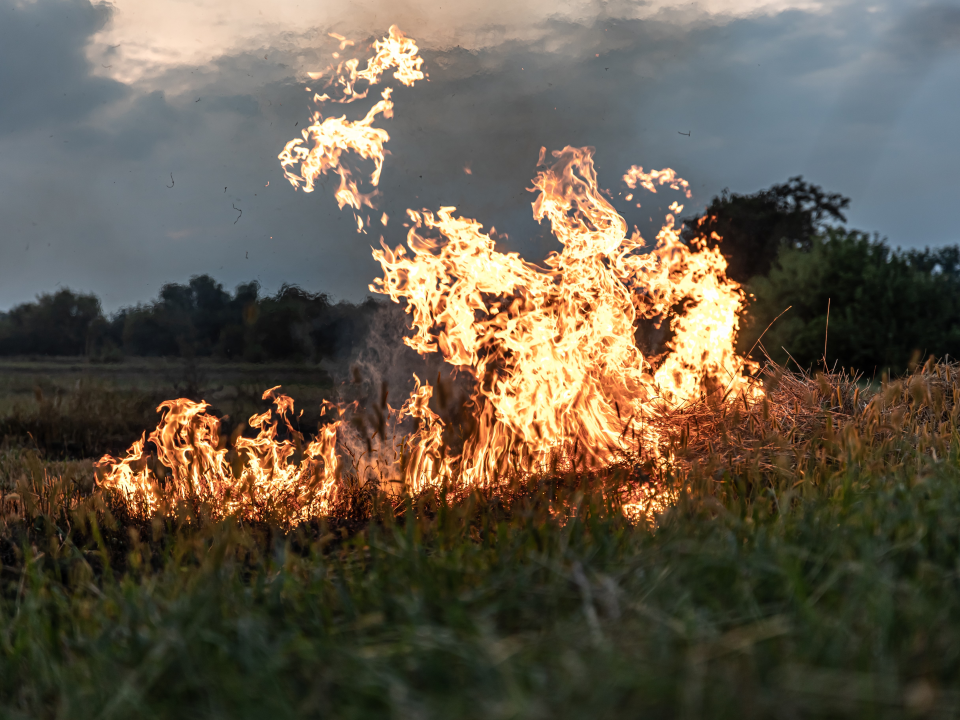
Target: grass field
pixel 71 408
pixel 810 568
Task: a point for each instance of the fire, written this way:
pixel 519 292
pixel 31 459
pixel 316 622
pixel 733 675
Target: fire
pixel 235 475
pixel 552 348
pixel 325 140
pixel 558 373
pixel 649 181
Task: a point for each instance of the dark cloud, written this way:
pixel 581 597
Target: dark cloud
pixel 44 75
pixel 925 33
pixel 885 81
pixel 91 207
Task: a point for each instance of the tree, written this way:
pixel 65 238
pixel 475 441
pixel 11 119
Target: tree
pixel 750 229
pixel 56 324
pixel 886 306
pixel 198 319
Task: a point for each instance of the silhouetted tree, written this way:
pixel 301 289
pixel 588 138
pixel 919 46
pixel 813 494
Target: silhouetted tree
pixel 56 324
pixel 886 306
pixel 750 229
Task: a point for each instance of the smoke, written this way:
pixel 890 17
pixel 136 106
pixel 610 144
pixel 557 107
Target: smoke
pixel 374 384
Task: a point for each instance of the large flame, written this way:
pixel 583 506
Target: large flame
pixel 552 349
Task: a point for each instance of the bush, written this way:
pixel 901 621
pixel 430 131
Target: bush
pixel 887 307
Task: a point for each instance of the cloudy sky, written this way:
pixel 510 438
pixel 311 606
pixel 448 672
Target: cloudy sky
pixel 104 106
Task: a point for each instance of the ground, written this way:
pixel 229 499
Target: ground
pixel 809 567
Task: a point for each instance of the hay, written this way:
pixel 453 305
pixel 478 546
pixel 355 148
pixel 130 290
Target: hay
pixel 809 425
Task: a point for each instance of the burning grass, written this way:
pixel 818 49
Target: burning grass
pixel 807 564
pixel 616 534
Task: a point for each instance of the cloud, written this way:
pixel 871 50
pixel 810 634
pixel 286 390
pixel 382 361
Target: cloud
pixel 153 39
pixel 44 72
pixel 753 87
pixel 882 83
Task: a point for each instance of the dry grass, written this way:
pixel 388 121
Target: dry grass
pixel 807 569
pixel 807 429
pixel 811 426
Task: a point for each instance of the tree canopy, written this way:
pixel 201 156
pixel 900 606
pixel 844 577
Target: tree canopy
pixel 751 229
pixel 197 319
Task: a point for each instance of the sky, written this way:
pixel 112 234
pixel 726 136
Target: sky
pixel 139 139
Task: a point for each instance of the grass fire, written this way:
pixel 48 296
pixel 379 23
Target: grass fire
pixel 594 483
pixel 556 373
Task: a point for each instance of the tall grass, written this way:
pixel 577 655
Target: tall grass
pixel 810 567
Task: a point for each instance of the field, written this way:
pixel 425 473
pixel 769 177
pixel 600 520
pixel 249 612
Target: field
pixel 70 408
pixel 810 567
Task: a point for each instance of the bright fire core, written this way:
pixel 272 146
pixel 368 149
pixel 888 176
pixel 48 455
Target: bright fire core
pixel 552 348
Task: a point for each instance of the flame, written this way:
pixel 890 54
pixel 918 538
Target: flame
pixel 558 374
pixel 322 144
pixel 231 476
pixel 344 43
pixel 648 181
pixel 552 348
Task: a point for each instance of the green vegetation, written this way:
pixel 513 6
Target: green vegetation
pixel 888 308
pixel 808 568
pixel 806 562
pixel 199 319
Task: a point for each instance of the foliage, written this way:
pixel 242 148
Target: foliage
pixel 751 229
pixel 56 324
pixel 886 307
pixel 199 319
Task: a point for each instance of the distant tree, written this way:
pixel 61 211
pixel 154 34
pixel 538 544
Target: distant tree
pixel 242 312
pixel 282 328
pixel 886 306
pixel 750 229
pixel 340 331
pixel 56 324
pixel 197 319
pixel 185 320
pixel 943 261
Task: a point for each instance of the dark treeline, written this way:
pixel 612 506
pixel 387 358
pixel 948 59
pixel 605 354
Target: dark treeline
pixel 788 248
pixel 199 319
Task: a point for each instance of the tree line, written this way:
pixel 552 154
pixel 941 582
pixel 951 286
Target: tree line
pixel 197 319
pixel 853 300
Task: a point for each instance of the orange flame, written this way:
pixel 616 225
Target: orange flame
pixel 558 372
pixel 648 181
pixel 236 477
pixel 553 348
pixel 325 140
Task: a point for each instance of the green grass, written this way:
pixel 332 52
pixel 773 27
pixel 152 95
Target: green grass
pixel 824 586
